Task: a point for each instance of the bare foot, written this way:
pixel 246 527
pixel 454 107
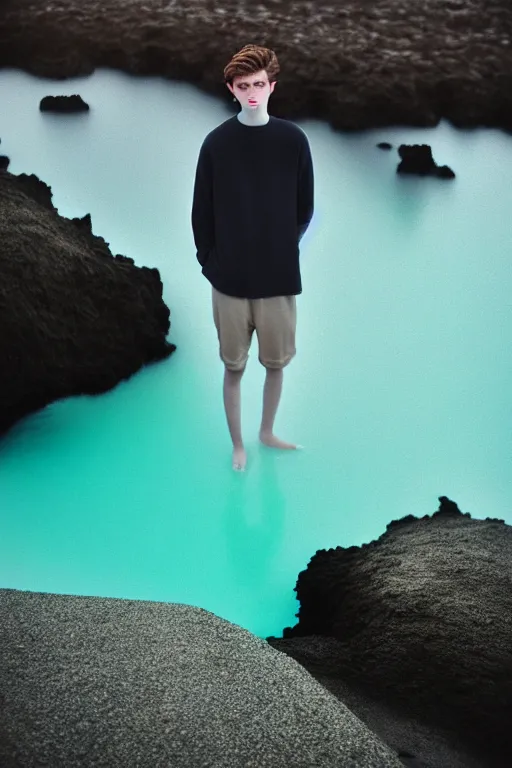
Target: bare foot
pixel 274 442
pixel 239 459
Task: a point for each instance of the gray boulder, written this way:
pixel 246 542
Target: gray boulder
pixel 87 681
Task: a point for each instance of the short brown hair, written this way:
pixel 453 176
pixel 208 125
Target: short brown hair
pixel 252 58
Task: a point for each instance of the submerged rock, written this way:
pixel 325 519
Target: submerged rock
pixel 420 620
pixel 89 681
pixel 75 319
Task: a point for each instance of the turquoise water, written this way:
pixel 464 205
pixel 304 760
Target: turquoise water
pixel 400 391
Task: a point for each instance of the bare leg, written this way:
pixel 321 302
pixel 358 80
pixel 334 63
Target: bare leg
pixel 271 397
pixel 232 404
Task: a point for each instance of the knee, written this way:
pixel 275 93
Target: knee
pixel 234 375
pixel 272 370
pixel 277 365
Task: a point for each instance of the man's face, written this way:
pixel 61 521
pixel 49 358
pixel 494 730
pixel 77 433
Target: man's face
pixel 252 91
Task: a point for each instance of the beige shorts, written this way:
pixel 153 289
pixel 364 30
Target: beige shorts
pixel 274 320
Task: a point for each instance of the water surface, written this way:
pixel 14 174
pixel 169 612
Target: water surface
pixel 400 391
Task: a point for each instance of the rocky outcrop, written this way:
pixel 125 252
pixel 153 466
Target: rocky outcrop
pixel 63 104
pixel 75 319
pixel 417 159
pixel 88 681
pixel 421 621
pixel 355 65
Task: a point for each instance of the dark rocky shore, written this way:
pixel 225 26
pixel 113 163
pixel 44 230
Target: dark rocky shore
pixel 418 622
pixel 355 64
pixel 75 319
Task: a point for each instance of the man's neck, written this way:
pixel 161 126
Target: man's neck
pixel 253 117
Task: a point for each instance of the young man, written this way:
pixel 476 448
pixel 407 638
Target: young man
pixel 253 201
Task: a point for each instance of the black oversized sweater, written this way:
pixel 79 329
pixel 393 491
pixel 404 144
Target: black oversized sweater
pixel 253 201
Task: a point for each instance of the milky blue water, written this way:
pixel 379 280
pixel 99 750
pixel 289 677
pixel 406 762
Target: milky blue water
pixel 400 391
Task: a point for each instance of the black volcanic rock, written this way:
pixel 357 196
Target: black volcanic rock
pixel 421 621
pixel 417 159
pixel 74 319
pixel 63 104
pixel 360 65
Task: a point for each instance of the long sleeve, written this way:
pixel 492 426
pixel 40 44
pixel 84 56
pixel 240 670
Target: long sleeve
pixel 305 189
pixel 203 225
